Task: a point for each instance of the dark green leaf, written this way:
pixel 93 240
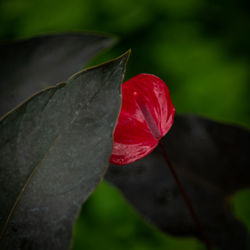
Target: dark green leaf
pixel 54 150
pixel 27 66
pixel 212 161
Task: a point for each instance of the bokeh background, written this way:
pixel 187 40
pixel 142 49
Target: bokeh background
pixel 201 48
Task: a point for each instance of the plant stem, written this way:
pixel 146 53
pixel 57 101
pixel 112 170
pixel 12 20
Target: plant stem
pixel 185 197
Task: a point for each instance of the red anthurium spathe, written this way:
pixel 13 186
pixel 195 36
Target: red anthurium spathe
pixel 147 114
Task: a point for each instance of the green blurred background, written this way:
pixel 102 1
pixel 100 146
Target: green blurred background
pixel 199 47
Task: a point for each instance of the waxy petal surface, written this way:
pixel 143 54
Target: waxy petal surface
pixel 146 115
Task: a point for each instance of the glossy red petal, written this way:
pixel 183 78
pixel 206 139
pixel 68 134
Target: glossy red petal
pixel 147 114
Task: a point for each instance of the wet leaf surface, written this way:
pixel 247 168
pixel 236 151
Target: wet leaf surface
pixel 55 148
pixel 212 161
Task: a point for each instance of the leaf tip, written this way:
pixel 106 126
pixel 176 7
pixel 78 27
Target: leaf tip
pixel 124 57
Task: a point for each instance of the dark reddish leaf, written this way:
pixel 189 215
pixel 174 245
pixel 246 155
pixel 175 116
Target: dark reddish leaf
pixel 146 115
pixel 212 161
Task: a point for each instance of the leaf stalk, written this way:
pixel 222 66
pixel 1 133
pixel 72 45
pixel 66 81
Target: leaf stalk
pixel 185 197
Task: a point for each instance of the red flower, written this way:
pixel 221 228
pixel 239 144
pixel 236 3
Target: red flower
pixel 147 114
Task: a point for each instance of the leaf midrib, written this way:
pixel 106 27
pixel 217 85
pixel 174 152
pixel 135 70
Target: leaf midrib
pixel 36 168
